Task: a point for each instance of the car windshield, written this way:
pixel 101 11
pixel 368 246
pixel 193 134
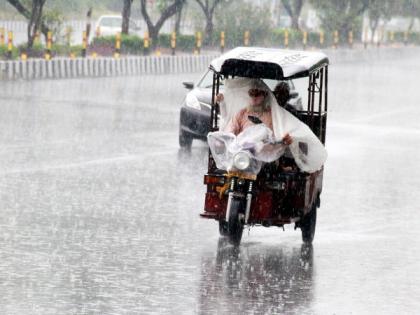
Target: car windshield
pixel 111 22
pixel 207 81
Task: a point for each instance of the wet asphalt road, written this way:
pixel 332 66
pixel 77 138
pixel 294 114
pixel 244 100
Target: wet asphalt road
pixel 99 207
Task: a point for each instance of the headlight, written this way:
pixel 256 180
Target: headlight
pixel 192 101
pixel 241 160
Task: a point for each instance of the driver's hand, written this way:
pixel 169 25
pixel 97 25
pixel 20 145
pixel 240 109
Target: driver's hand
pixel 287 139
pixel 219 147
pixel 219 97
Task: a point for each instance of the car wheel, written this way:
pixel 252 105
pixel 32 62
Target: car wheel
pixel 185 140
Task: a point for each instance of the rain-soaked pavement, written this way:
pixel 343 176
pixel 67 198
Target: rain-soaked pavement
pixel 99 208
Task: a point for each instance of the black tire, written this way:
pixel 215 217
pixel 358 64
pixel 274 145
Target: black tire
pixel 234 226
pixel 185 140
pixel 308 225
pixel 223 228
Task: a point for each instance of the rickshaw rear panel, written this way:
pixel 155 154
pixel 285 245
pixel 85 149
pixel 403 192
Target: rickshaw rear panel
pixel 276 202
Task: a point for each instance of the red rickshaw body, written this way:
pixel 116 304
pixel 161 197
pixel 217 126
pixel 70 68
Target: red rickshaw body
pixel 274 203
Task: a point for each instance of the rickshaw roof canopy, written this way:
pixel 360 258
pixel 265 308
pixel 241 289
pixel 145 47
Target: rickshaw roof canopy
pixel 268 63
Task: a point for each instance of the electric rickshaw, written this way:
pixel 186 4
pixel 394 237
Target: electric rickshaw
pixel 281 193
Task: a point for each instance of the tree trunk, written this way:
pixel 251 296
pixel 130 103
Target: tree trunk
pixel 410 26
pixel 154 36
pixel 126 13
pixel 208 11
pixel 178 17
pixel 34 22
pixel 295 22
pixel 293 12
pixel 208 30
pixel 373 26
pixel 166 14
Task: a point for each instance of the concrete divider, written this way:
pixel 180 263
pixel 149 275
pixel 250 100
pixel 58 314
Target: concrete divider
pixel 61 68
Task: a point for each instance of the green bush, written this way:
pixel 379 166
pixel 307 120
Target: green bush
pixel 105 45
pixel 296 38
pixel 37 50
pixel 66 50
pixel 412 37
pixel 235 18
pixel 183 42
pixel 4 51
pixel 132 44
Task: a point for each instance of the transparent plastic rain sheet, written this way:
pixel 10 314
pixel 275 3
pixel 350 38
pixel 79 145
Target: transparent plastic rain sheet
pixel 308 152
pixel 257 142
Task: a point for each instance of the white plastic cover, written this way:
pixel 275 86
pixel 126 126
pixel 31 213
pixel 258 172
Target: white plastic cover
pixel 256 141
pixel 308 152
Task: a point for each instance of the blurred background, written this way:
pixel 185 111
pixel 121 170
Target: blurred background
pixel 193 25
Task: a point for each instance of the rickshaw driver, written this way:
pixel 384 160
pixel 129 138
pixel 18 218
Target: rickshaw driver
pixel 258 107
pixel 244 102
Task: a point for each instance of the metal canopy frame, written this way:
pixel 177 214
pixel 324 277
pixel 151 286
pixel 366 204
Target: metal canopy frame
pixel 315 115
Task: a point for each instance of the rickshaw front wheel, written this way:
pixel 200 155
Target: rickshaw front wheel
pixel 223 228
pixel 234 226
pixel 308 225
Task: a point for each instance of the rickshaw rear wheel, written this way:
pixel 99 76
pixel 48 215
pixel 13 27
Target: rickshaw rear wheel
pixel 308 225
pixel 185 140
pixel 234 226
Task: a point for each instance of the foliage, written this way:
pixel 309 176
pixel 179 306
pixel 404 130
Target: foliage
pixel 3 52
pixel 208 8
pixel 170 9
pixel 132 44
pixel 412 37
pixel 65 50
pixel 183 42
pixel 410 9
pixel 295 38
pixel 293 9
pixel 341 16
pixel 237 18
pixel 54 20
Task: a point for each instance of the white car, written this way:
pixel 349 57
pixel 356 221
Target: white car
pixel 108 25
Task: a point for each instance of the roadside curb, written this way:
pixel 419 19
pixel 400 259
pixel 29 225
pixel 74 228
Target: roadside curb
pixel 64 68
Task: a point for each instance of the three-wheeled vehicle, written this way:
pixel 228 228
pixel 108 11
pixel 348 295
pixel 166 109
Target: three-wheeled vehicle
pixel 280 193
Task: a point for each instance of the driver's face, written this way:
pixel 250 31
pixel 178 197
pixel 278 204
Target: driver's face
pixel 257 100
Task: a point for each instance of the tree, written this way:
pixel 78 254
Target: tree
pixel 34 17
pixel 380 10
pixel 410 9
pixel 239 17
pixel 208 7
pixel 341 16
pixel 168 9
pixel 178 17
pixel 293 11
pixel 126 13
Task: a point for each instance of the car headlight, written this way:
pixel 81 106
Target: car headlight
pixel 241 160
pixel 192 101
